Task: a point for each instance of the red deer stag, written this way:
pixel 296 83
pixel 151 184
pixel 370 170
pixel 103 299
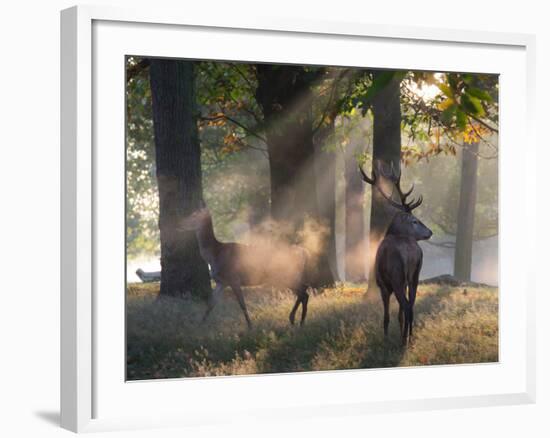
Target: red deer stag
pixel 399 256
pixel 236 265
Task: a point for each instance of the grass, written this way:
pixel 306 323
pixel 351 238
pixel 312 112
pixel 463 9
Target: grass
pixel 343 331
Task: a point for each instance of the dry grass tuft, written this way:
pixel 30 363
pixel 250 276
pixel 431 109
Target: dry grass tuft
pixel 343 331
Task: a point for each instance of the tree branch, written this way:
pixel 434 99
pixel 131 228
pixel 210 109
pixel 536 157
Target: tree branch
pixel 136 69
pixel 235 122
pixel 241 74
pixel 485 124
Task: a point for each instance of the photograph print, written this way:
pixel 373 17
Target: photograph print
pixel 289 218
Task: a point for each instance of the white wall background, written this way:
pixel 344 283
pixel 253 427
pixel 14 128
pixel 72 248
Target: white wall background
pixel 29 215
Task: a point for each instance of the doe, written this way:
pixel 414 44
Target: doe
pixel 235 265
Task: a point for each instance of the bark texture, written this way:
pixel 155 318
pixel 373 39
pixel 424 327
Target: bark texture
pixel 178 169
pixel 386 109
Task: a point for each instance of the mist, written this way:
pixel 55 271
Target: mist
pixel 437 180
pixel 236 189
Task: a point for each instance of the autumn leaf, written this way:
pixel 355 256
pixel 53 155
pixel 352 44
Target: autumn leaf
pixel 447 91
pixel 442 106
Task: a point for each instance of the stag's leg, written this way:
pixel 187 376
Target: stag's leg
pixel 213 300
pixel 401 320
pixel 240 298
pixel 404 310
pixel 413 285
pixel 412 298
pixel 386 301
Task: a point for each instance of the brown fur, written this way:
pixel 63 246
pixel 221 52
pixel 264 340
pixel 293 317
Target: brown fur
pixel 399 257
pixel 236 265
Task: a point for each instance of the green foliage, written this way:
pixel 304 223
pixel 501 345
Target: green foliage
pixel 233 160
pixel 142 235
pixel 234 156
pixel 435 131
pixel 366 86
pixel 464 110
pixel 343 331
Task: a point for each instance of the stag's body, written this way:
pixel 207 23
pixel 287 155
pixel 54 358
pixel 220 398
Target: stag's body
pixel 399 256
pixel 236 265
pixel 397 268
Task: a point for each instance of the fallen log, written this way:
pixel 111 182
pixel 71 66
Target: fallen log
pixel 148 277
pixel 450 280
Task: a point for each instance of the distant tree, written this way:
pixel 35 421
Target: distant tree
pixel 285 96
pixel 325 174
pixel 467 109
pixel 378 92
pixel 466 212
pixel 472 98
pixel 354 203
pixel 331 95
pixel 178 171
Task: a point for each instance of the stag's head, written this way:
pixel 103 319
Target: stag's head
pixel 196 220
pixel 404 222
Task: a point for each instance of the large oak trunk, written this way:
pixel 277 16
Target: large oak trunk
pixel 386 109
pixel 466 213
pixel 178 169
pixel 285 98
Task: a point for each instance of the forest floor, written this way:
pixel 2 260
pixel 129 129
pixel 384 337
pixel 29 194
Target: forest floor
pixel 343 331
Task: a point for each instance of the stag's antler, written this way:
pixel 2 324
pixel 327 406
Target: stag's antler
pixel 395 177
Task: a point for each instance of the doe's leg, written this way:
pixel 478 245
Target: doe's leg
pixel 213 300
pixel 240 298
pixel 305 299
pixel 292 315
pixel 302 298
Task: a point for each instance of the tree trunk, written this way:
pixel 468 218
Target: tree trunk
pixel 386 108
pixel 466 212
pixel 285 98
pixel 355 244
pixel 325 170
pixel 178 169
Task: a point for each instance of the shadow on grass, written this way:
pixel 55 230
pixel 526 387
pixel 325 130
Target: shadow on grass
pixel 342 331
pixel 349 337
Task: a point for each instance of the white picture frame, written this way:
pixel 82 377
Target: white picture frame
pixel 93 397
